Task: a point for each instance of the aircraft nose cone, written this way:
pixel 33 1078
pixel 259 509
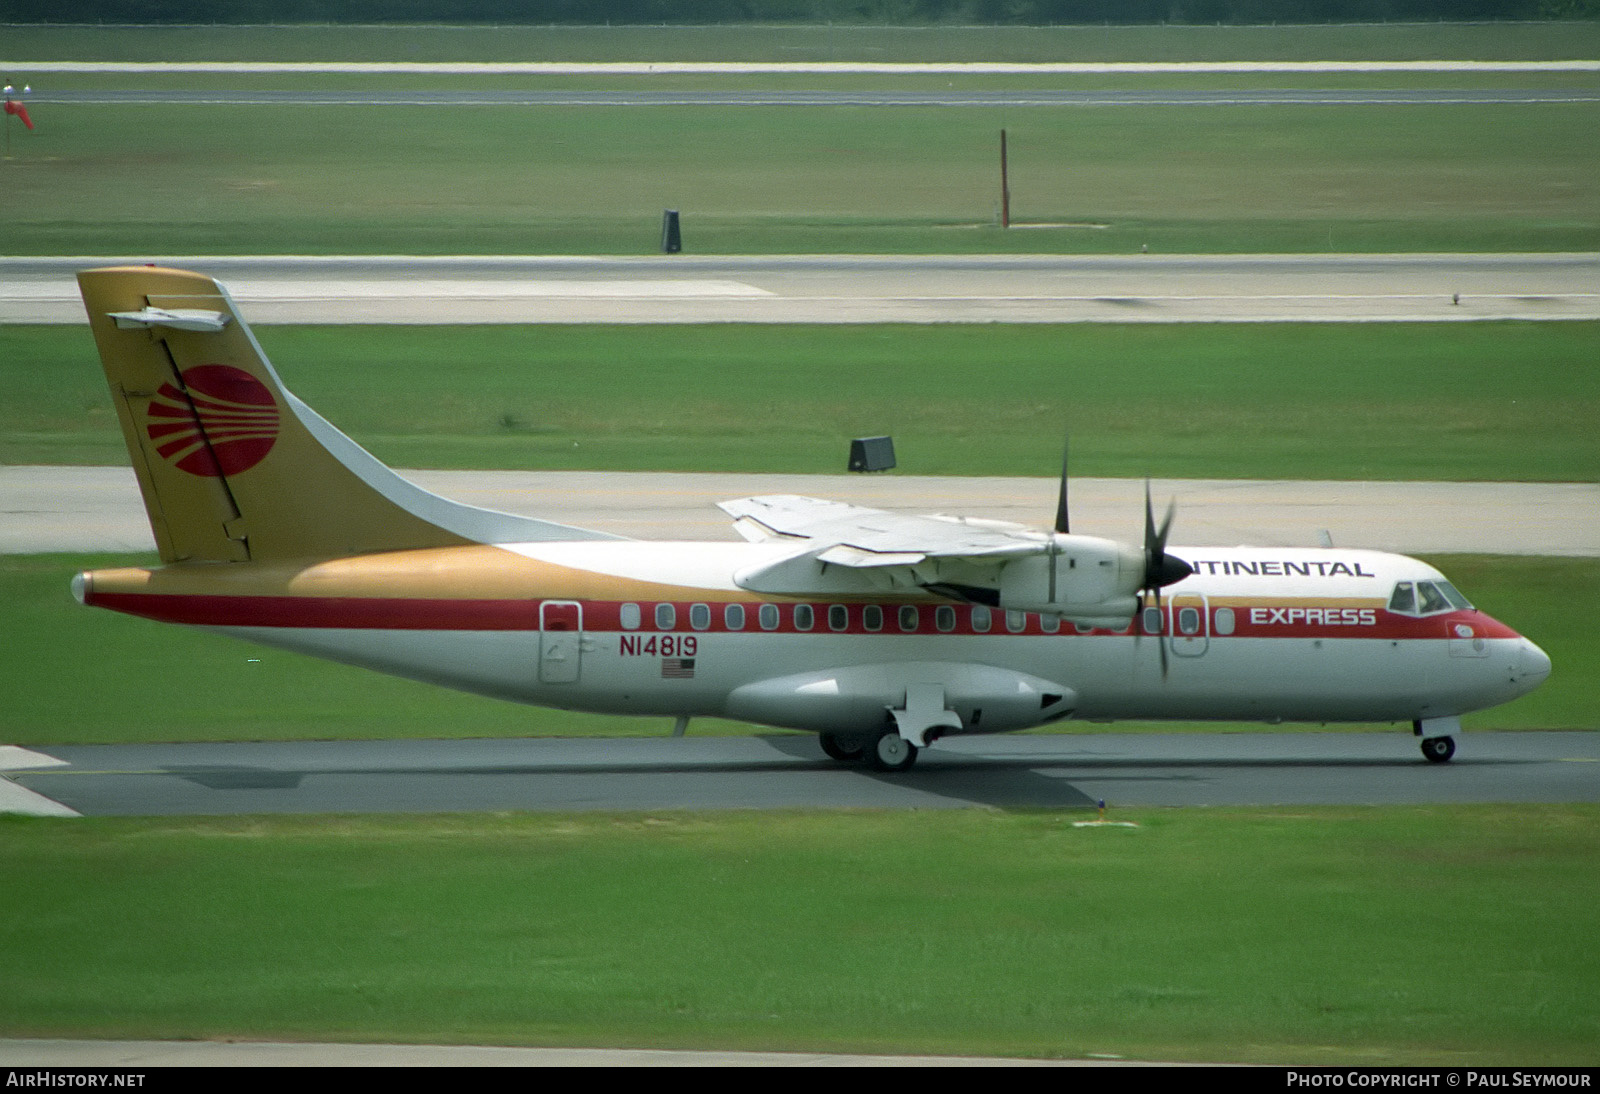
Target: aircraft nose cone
pixel 1531 664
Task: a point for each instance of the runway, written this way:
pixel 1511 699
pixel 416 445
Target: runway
pixel 645 97
pixel 83 509
pixel 789 771
pixel 856 288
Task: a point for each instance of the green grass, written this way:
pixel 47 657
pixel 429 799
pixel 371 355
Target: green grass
pixel 1396 936
pixel 530 179
pixel 82 676
pixel 1399 41
pixel 1480 401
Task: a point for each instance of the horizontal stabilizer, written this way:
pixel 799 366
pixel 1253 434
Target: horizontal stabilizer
pixel 195 319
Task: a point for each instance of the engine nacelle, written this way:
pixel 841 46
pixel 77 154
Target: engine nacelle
pixel 1084 579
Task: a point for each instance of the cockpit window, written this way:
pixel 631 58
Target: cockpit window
pixel 1453 595
pixel 1427 598
pixel 1430 599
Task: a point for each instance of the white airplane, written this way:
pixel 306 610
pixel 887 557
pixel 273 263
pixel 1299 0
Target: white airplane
pixel 879 631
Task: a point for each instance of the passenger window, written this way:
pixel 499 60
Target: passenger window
pixel 1431 599
pixel 804 617
pixel 1223 621
pixel 872 617
pixel 1016 622
pixel 908 617
pixel 666 617
pixel 838 617
pixel 1404 600
pixel 1150 620
pixel 982 619
pixel 733 617
pixel 1050 624
pixel 630 617
pixel 768 616
pixel 944 617
pixel 700 616
pixel 1188 620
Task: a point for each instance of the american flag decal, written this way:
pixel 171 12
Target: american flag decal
pixel 677 668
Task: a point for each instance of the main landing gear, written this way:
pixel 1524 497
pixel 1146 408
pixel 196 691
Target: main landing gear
pixel 888 751
pixel 845 749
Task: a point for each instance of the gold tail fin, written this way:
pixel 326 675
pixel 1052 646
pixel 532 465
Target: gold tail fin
pixel 232 466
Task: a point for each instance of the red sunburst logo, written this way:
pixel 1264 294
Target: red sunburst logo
pixel 226 422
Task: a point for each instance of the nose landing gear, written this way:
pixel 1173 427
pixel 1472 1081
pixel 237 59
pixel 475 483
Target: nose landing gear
pixel 1438 749
pixel 1438 737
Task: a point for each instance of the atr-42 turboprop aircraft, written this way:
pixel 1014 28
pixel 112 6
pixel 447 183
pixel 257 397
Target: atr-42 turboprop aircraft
pixel 881 632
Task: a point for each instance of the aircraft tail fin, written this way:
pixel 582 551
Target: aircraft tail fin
pixel 232 466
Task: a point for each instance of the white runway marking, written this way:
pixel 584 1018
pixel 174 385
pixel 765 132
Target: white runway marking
pixel 17 799
pixel 496 290
pixel 13 758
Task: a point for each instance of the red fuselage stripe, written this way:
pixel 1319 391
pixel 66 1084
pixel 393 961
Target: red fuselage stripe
pixel 433 614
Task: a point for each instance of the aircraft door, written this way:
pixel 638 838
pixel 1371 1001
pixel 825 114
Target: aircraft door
pixel 1190 625
pixel 560 641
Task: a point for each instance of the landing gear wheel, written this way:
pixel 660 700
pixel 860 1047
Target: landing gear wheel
pixel 1438 749
pixel 892 752
pixel 843 748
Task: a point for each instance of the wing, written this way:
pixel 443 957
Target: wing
pixel 841 549
pixel 851 535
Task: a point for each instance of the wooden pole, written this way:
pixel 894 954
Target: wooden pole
pixel 1005 185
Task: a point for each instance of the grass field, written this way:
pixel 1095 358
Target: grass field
pixel 1395 41
pixel 1479 401
pixel 86 676
pixel 1395 936
pixel 220 179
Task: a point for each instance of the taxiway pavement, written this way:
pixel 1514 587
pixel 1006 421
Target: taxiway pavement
pixel 85 509
pixel 856 288
pixel 789 771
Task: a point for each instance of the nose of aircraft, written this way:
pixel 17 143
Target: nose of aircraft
pixel 1530 665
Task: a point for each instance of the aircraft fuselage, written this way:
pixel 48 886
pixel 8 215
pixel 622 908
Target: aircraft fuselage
pixel 1254 634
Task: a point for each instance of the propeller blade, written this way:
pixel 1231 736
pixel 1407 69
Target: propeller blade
pixel 1160 568
pixel 1149 524
pixel 1061 500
